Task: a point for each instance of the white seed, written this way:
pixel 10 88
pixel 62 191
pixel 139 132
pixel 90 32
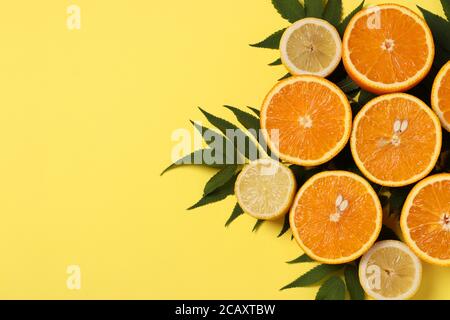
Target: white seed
pixel 344 205
pixel 339 200
pixel 397 126
pixel 404 125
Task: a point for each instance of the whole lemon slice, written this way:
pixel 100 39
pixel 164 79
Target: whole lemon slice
pixel 390 271
pixel 265 189
pixel 311 46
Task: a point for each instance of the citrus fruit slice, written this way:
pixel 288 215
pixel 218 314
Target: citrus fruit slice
pixel 425 220
pixel 265 189
pixel 306 120
pixel 396 140
pixel 336 217
pixel 387 48
pixel 390 271
pixel 440 96
pixel 311 46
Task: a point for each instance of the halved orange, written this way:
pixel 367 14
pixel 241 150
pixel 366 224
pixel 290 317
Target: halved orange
pixel 440 96
pixel 425 219
pixel 336 217
pixel 306 120
pixel 396 140
pixel 387 48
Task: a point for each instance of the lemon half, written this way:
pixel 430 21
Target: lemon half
pixel 390 271
pixel 265 189
pixel 311 46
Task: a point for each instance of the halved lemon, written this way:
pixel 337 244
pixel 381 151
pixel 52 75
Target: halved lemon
pixel 390 271
pixel 440 97
pixel 425 219
pixel 311 46
pixel 265 189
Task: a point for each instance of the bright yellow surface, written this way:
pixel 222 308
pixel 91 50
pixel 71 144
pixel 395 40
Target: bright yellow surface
pixel 86 122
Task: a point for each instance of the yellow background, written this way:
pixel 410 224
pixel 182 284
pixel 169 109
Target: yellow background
pixel 85 130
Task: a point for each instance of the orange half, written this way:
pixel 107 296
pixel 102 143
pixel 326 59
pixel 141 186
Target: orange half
pixel 387 48
pixel 425 219
pixel 440 96
pixel 336 217
pixel 396 140
pixel 306 120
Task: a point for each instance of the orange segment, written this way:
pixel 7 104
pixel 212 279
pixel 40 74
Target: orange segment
pixel 425 219
pixel 386 137
pixel 336 217
pixel 440 97
pixel 387 48
pixel 306 120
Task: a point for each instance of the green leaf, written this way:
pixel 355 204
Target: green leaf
pixel 257 225
pixel 343 25
pixel 247 147
pixel 218 195
pixel 237 211
pixel 291 10
pixel 333 12
pixel 332 289
pixel 313 276
pixel 286 226
pixel 271 42
pixel 220 178
pixel 387 234
pixel 439 27
pixel 446 7
pixel 442 57
pixel 314 8
pixel 276 62
pixel 302 259
pixel 398 198
pixel 286 76
pixel 365 96
pixel 353 284
pixel 255 111
pixel 191 159
pixel 219 144
pixel 298 171
pixel 347 85
pixel 249 121
pixel 202 130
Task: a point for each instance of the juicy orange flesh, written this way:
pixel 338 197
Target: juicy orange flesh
pixel 375 140
pixel 329 239
pixel 426 220
pixel 307 118
pixel 444 97
pixel 401 34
